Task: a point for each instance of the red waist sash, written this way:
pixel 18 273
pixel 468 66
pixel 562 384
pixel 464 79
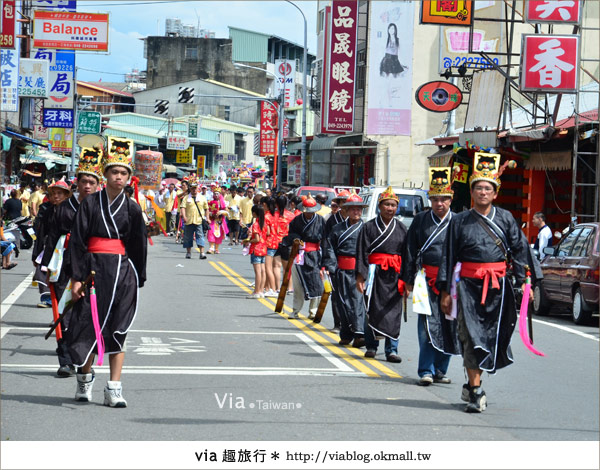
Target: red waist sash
pixel 106 245
pixel 485 271
pixel 388 261
pixel 346 263
pixel 431 273
pixel 310 246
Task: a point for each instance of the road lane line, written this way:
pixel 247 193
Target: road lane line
pixel 372 362
pixel 323 352
pixel 357 352
pixel 567 329
pixel 334 349
pixel 15 294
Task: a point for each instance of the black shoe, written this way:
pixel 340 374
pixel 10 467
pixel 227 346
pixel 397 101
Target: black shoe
pixel 344 342
pixel 188 256
pixel 68 370
pixel 358 343
pixel 477 401
pixel 440 378
pixel 464 395
pixel 394 358
pixel 202 256
pixel 370 353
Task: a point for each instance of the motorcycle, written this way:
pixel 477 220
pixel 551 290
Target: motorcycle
pixel 21 230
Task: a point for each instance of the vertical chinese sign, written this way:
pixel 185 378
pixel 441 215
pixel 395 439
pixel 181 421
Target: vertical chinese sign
pixel 7 25
pixel 268 129
pixel 550 63
pixel 342 67
pixel 9 80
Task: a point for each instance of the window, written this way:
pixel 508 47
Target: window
pixel 580 246
pixel 565 246
pixel 191 53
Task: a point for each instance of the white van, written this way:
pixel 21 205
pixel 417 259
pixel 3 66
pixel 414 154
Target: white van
pixel 412 201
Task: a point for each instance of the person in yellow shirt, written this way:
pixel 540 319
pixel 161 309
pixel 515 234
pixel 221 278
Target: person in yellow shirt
pixel 36 199
pixel 194 208
pixel 24 196
pixel 169 198
pixel 325 210
pixel 233 201
pixel 246 212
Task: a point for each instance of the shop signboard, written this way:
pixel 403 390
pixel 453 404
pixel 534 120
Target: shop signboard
pixel 33 78
pixel 342 67
pixel 177 142
pixel 549 63
pixel 61 77
pixel 61 139
pixel 268 129
pixel 285 72
pixel 193 130
pixel 58 117
pixel 201 162
pixel 438 96
pixel 7 25
pixel 61 5
pixel 9 83
pixel 537 11
pixel 185 156
pixel 89 122
pixel 458 13
pixel 70 30
pixel 148 168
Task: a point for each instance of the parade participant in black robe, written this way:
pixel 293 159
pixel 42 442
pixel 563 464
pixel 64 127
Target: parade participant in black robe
pixel 108 237
pixel 482 239
pixel 339 259
pixel 437 335
pixel 61 224
pixel 381 244
pixel 41 225
pixel 310 228
pixel 335 218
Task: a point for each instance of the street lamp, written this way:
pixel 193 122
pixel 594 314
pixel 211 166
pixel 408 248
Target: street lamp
pixel 304 60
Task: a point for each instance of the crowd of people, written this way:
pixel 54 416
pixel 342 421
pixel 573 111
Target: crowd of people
pixel 455 265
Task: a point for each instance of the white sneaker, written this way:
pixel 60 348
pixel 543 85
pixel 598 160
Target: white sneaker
pixel 112 395
pixel 85 383
pixel 271 293
pixel 253 296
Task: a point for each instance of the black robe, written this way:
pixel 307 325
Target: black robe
pixel 312 230
pixel 117 277
pixel 332 221
pixel 61 223
pixel 384 307
pixel 429 232
pixel 342 242
pixel 490 326
pixel 41 226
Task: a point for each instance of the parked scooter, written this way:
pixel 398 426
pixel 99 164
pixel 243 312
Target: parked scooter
pixel 20 229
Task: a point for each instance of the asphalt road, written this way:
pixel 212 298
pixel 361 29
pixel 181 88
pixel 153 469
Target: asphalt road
pixel 205 363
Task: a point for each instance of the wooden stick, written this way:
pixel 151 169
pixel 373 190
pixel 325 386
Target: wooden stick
pixel 287 275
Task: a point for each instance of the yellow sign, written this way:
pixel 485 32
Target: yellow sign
pixel 185 156
pixel 201 165
pixel 461 171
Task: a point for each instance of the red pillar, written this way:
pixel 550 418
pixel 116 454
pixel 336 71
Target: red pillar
pixel 534 193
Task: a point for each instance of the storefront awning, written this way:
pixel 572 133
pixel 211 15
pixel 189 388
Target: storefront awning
pixel 345 141
pixel 294 148
pixel 441 157
pixel 561 160
pixel 24 138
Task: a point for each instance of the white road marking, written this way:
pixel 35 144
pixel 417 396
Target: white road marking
pixel 325 353
pixel 567 329
pixel 15 294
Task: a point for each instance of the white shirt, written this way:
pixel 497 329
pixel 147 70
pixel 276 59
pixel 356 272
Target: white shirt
pixel 544 236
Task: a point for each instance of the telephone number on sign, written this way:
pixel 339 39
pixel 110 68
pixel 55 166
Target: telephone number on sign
pixel 32 92
pixel 473 62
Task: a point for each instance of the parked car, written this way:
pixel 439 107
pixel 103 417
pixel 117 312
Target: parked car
pixel 571 274
pixel 412 201
pixel 314 190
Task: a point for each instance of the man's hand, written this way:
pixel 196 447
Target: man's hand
pixel 446 303
pixel 530 292
pixel 409 288
pixel 360 283
pixel 76 291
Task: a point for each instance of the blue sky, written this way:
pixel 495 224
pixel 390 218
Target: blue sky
pixel 135 19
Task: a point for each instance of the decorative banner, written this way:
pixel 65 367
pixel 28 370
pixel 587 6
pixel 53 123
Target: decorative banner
pixel 537 11
pixel 185 156
pixel 268 129
pixel 285 71
pixel 89 122
pixel 439 97
pixel 70 30
pixel 342 69
pixel 148 168
pixel 455 40
pixel 201 165
pixel 61 77
pixel 58 118
pixel 177 142
pixel 390 58
pixel 7 25
pixel 33 78
pixel 9 90
pixel 550 63
pixel 456 12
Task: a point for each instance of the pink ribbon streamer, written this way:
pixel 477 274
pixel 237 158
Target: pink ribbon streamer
pixel 96 322
pixel 523 331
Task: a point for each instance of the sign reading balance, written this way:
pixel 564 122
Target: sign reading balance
pixel 342 69
pixel 550 63
pixel 70 30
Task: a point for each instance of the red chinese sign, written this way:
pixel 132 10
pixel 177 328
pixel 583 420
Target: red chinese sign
pixel 342 67
pixel 549 63
pixel 557 11
pixel 324 75
pixel 7 35
pixel 455 12
pixel 268 129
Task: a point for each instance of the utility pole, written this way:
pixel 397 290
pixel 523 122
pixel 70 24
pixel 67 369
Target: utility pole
pixel 281 117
